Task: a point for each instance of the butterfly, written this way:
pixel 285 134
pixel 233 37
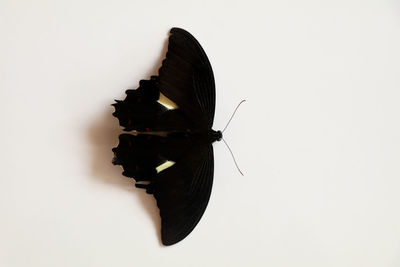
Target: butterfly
pixel 168 148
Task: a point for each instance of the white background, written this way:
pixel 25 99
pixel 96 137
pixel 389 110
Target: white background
pixel 317 139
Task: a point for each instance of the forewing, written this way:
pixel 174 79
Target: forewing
pixel 186 77
pixel 182 193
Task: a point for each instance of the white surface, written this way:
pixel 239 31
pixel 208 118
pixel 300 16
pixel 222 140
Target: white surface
pixel 318 139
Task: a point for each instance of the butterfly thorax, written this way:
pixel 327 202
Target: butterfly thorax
pixel 209 136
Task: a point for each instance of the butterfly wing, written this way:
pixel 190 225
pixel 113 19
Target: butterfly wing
pixel 186 77
pixel 141 111
pixel 182 193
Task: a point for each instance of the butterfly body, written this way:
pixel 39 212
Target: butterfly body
pixel 183 135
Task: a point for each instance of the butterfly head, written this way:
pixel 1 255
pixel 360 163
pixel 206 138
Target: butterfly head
pixel 216 135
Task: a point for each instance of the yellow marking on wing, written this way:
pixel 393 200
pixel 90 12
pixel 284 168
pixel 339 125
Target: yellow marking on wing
pixel 164 166
pixel 166 102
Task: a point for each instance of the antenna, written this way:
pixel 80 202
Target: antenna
pixel 232 117
pixel 234 160
pixel 226 126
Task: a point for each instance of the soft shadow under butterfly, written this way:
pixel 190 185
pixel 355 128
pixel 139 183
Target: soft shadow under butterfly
pixel 169 150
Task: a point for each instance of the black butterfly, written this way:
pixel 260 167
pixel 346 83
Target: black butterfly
pixel 182 136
